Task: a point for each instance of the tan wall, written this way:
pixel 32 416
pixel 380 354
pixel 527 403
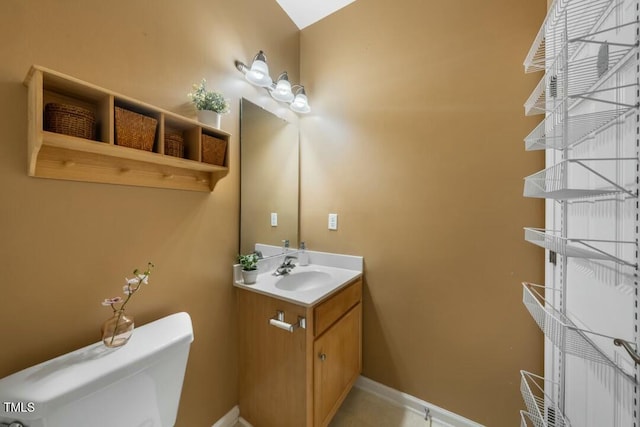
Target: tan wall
pixel 415 140
pixel 65 246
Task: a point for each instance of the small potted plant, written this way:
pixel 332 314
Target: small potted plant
pixel 249 265
pixel 210 105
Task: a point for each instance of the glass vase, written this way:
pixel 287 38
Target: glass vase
pixel 117 330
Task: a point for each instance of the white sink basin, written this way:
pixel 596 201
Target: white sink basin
pixel 305 285
pixel 304 281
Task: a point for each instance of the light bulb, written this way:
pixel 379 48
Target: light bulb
pixel 259 73
pixel 282 92
pixel 300 103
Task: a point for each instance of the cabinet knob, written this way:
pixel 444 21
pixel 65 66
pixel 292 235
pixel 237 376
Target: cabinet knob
pixel 322 356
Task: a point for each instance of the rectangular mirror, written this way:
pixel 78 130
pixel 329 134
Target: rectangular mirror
pixel 269 158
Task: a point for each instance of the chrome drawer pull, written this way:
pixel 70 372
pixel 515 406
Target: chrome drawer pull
pixel 278 322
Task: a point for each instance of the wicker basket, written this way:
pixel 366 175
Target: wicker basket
pixel 135 130
pixel 69 120
pixel 174 144
pixel 213 150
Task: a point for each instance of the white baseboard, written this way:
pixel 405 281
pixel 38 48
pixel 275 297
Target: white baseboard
pixel 230 418
pixel 414 404
pixel 396 397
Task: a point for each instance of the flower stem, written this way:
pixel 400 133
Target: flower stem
pixel 115 329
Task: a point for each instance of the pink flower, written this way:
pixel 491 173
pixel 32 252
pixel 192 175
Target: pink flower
pixel 130 287
pixel 111 301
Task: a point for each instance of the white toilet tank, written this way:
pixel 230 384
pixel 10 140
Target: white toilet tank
pixel 137 385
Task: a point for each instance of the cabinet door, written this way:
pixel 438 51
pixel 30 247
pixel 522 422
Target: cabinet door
pixel 272 364
pixel 337 364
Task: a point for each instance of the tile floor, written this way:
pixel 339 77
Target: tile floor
pixel 363 409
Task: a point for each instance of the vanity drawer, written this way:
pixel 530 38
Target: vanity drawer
pixel 328 312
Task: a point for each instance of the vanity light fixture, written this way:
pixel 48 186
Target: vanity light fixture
pixel 281 90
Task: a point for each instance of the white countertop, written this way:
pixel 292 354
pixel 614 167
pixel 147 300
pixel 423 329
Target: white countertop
pixel 343 269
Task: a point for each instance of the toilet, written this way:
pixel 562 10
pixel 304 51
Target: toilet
pixel 137 385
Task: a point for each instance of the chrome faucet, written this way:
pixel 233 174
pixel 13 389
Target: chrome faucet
pixel 286 266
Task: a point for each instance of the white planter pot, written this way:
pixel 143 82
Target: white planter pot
pixel 210 118
pixel 249 277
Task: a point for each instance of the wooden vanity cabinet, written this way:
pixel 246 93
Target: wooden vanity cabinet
pixel 299 378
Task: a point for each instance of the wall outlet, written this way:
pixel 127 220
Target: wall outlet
pixel 274 219
pixel 333 221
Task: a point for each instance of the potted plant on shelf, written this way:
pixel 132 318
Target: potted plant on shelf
pixel 249 265
pixel 210 105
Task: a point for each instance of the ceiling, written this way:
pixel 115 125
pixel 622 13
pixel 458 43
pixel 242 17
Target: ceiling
pixel 306 12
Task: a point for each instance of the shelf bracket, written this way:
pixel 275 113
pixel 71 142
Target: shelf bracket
pixel 590 98
pixel 593 171
pixel 600 251
pixel 585 38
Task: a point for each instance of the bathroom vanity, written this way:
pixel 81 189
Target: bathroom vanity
pixel 296 367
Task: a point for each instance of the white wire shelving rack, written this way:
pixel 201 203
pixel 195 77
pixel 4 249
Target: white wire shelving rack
pixel 559 182
pixel 589 94
pixel 542 410
pixel 563 333
pixel 575 247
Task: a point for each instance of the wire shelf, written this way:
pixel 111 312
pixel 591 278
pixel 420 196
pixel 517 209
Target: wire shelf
pixel 550 132
pixel 528 420
pixel 537 101
pixel 562 332
pixel 578 248
pixel 540 404
pixel 573 179
pixel 584 76
pixel 568 21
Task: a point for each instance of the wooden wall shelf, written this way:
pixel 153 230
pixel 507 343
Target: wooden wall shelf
pixel 59 156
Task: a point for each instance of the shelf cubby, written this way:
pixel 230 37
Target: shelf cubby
pixel 537 394
pixel 60 156
pixel 573 179
pixel 189 133
pixel 147 111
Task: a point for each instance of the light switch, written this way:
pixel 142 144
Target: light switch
pixel 274 219
pixel 333 221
